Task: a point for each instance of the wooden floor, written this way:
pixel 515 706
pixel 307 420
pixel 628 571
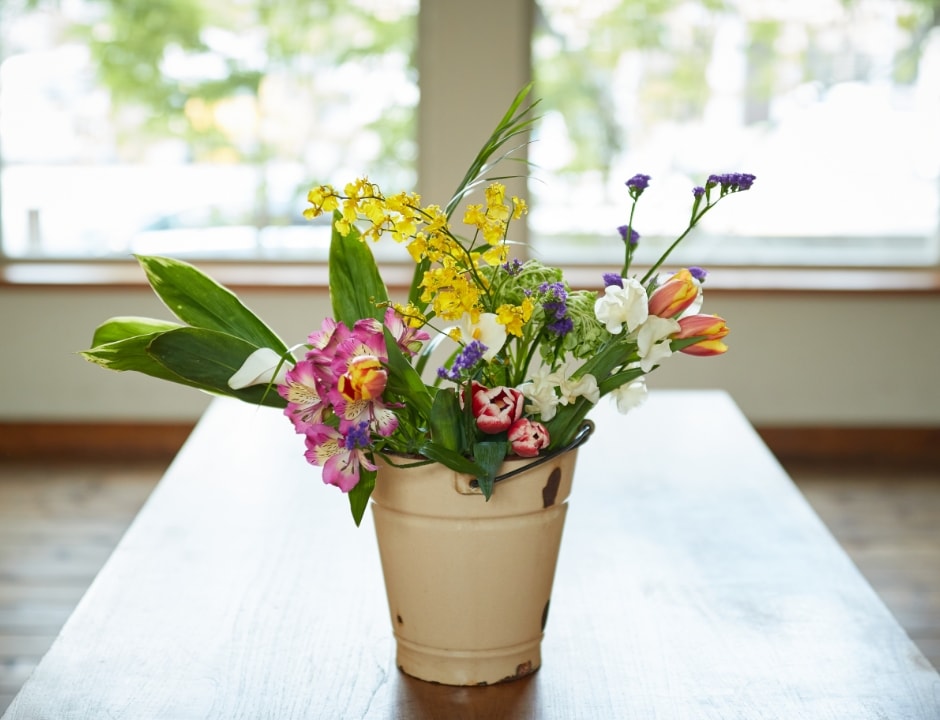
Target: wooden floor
pixel 59 524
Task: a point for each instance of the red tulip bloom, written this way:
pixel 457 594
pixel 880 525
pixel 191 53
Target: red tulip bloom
pixel 495 409
pixel 527 437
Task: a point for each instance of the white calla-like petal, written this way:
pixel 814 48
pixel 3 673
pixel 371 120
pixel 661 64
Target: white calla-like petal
pixel 260 368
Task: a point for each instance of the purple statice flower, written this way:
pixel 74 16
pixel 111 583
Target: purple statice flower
pixel 555 305
pixel 469 356
pixel 513 267
pixel 697 272
pixel 634 235
pixel 613 279
pixel 731 182
pixel 698 191
pixel 637 184
pixel 357 436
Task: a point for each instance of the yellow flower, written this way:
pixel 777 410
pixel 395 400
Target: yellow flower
pixel 515 316
pixel 519 207
pixel 475 216
pixel 322 199
pixel 411 315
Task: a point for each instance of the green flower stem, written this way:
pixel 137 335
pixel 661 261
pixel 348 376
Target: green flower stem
pixel 692 223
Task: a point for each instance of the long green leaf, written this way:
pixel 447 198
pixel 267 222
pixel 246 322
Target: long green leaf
pixel 445 420
pixel 489 456
pixel 403 379
pixel 514 122
pixel 356 287
pixel 455 461
pixel 132 354
pixel 209 358
pixel 200 301
pixel 359 495
pixel 122 328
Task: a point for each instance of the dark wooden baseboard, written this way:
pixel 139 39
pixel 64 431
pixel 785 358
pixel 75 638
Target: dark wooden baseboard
pixel 897 446
pixel 92 441
pixel 901 447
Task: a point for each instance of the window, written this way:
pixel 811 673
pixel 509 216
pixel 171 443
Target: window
pixel 833 104
pixel 194 127
pixel 191 127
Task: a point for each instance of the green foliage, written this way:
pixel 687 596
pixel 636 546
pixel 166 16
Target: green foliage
pixel 200 301
pixel 356 287
pixel 219 335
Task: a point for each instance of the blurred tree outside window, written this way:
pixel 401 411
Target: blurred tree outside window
pixel 833 104
pixel 196 126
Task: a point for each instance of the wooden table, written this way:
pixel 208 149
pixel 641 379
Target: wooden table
pixel 694 582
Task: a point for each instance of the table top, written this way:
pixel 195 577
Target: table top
pixel 694 581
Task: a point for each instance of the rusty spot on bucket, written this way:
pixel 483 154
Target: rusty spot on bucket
pixel 551 488
pixel 400 621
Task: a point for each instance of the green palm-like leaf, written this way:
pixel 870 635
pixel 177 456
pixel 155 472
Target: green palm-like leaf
pixel 207 359
pixel 404 380
pixel 123 328
pixel 200 301
pixel 445 421
pixel 359 495
pixel 356 287
pixel 132 354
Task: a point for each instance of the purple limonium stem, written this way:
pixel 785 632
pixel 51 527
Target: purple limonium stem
pixel 469 356
pixel 638 183
pixel 357 436
pixel 698 273
pixel 731 182
pixel 634 235
pixel 512 267
pixel 555 305
pixel 698 191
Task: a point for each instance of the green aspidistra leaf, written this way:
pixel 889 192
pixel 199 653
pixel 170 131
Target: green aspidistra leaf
pixel 359 495
pixel 208 358
pixel 453 460
pixel 133 354
pixel 404 380
pixel 123 328
pixel 356 287
pixel 489 456
pixel 200 301
pixel 445 420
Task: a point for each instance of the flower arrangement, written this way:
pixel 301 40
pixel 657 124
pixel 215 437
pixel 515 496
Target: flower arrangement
pixel 525 356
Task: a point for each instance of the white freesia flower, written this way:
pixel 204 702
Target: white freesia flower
pixel 652 341
pixel 621 306
pixel 260 368
pixel 584 386
pixel 540 392
pixel 630 395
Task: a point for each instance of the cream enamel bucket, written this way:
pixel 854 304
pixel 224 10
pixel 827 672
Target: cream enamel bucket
pixel 469 581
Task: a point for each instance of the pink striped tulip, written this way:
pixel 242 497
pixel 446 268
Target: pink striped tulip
pixel 710 328
pixel 527 437
pixel 495 409
pixel 674 296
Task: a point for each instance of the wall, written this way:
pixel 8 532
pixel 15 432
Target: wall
pixel 794 360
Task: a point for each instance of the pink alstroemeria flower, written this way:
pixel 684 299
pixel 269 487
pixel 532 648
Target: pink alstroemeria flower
pixel 495 409
pixel 301 389
pixel 360 379
pixel 711 328
pixel 527 437
pixel 340 455
pixel 675 295
pixel 409 339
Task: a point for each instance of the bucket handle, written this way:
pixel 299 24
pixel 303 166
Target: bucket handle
pixel 580 437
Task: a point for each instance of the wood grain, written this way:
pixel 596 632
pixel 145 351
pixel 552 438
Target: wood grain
pixel 694 582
